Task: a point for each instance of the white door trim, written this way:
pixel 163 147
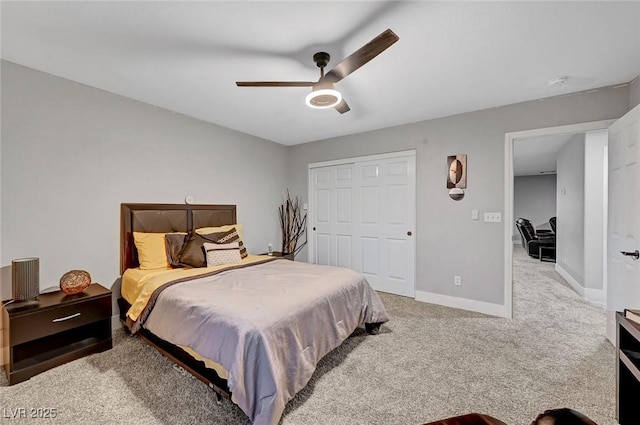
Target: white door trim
pixel 602 298
pixel 509 138
pixel 377 157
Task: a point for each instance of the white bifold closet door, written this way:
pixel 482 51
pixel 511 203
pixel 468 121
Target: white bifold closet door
pixel 363 218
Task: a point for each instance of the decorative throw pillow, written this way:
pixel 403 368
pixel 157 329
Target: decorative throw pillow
pixel 232 236
pixel 206 230
pixel 192 253
pixel 224 253
pixel 151 250
pixel 174 243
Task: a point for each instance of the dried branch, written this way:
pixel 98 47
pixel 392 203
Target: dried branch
pixel 292 224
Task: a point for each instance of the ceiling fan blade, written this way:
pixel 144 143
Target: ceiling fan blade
pixel 342 107
pixel 275 83
pixel 361 56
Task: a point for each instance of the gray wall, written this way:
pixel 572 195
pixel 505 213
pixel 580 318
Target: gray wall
pixel 570 230
pixel 79 152
pixel 634 93
pixel 1 268
pixel 534 198
pixel 594 205
pixel 71 154
pixel 445 226
pixel 581 204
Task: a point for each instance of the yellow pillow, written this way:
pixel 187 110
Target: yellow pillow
pixel 226 228
pixel 152 252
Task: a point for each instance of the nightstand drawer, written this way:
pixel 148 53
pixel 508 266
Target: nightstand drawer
pixel 53 320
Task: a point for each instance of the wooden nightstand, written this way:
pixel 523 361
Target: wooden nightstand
pixel 627 369
pixel 279 254
pixel 57 329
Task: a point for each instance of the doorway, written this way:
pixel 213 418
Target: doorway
pixel 510 139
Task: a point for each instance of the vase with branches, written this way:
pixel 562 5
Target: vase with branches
pixel 293 225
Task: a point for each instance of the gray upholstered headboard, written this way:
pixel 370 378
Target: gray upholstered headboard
pixel 166 218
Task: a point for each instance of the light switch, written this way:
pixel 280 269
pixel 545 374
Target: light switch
pixel 475 215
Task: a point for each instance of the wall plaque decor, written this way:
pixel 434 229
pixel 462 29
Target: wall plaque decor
pixel 456 176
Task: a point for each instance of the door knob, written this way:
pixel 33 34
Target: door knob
pixel 409 233
pixel 635 254
pixel 314 229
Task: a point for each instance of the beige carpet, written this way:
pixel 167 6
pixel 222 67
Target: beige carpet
pixel 429 362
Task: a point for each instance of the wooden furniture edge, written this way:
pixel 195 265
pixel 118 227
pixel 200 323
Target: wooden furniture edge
pixel 56 354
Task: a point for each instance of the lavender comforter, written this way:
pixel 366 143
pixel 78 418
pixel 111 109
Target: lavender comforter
pixel 267 324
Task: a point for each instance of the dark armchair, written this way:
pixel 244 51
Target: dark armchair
pixel 532 240
pixel 563 416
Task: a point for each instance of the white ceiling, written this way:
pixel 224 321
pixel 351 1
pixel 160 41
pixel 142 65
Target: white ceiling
pixel 452 57
pixel 538 155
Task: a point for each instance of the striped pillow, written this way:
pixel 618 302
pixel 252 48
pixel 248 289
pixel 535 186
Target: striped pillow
pixel 225 253
pixel 232 236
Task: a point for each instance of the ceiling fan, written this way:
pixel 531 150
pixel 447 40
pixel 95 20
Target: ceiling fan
pixel 323 95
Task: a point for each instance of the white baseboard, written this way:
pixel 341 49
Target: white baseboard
pixel 570 280
pixel 463 303
pixel 593 296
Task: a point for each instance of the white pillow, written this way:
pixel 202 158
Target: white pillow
pixel 222 253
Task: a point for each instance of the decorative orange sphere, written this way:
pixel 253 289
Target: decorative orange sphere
pixel 75 281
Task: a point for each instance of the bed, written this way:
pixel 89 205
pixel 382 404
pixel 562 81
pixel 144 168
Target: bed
pixel 252 331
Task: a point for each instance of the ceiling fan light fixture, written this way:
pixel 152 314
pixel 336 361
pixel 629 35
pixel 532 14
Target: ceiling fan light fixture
pixel 323 98
pixel 323 94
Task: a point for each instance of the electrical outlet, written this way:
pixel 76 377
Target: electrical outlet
pixel 457 280
pixel 492 217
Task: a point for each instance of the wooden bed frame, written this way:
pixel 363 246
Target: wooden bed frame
pixel 166 218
